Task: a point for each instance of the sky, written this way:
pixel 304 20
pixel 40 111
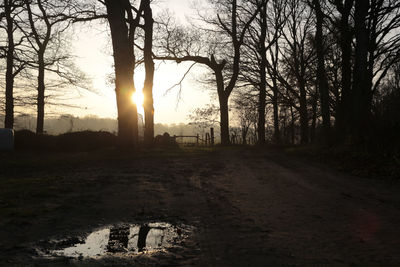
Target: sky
pixel 93 51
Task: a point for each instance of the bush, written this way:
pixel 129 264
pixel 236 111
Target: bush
pixel 386 123
pixel 68 142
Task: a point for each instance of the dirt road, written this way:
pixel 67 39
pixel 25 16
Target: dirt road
pixel 247 208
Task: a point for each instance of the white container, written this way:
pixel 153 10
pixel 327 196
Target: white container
pixel 6 140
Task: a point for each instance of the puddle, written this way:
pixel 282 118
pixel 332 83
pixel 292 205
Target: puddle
pixel 121 240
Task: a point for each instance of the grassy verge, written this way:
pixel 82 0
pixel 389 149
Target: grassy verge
pixel 352 160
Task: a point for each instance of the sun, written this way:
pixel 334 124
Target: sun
pixel 138 98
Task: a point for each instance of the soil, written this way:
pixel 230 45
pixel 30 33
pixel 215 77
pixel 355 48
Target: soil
pixel 245 207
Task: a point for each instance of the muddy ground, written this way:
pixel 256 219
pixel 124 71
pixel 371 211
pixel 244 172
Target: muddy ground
pixel 247 207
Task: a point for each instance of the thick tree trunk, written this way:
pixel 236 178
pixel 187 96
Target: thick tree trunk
pixel 148 82
pixel 361 88
pixel 343 121
pixel 263 74
pixel 41 95
pixel 261 108
pixel 275 89
pixel 9 112
pixel 223 97
pixel 224 119
pixel 299 72
pixel 277 135
pixel 304 136
pixel 124 63
pixel 321 73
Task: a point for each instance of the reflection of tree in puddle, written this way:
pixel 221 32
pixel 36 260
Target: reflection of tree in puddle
pixel 123 240
pixel 118 240
pixel 143 231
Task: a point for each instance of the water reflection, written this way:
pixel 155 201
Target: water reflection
pixel 143 232
pixel 124 239
pixel 118 239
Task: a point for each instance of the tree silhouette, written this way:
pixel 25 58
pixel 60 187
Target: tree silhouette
pixel 149 68
pixel 321 72
pixel 123 25
pixel 226 73
pixel 46 23
pixel 14 65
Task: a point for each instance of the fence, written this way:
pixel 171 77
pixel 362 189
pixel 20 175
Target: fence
pixel 207 140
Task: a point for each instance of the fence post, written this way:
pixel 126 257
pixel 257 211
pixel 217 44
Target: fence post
pixel 212 136
pixel 197 140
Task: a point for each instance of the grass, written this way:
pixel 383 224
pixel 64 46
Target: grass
pixel 28 175
pixel 353 160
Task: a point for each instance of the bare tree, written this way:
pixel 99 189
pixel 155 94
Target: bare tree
pixel 262 37
pixel 125 19
pixel 298 56
pixel 360 83
pixel 321 72
pixel 277 21
pixel 47 23
pixel 123 24
pixel 377 43
pixel 346 36
pixel 246 110
pixel 226 73
pixel 149 68
pixel 10 11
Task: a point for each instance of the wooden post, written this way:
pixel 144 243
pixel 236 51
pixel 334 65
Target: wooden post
pixel 212 136
pixel 197 140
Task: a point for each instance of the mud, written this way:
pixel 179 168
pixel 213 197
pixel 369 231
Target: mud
pixel 246 208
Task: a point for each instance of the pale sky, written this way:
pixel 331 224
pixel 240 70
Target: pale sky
pixel 93 50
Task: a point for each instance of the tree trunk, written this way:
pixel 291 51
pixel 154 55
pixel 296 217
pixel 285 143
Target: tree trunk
pixel 261 109
pixel 314 116
pixel 9 112
pixel 224 119
pixel 41 94
pixel 148 82
pixel 303 116
pixel 277 135
pixel 343 121
pixel 244 135
pixel 223 98
pixel 142 236
pixel 263 74
pixel 361 89
pixel 275 89
pixel 124 63
pixel 321 73
pixel 292 125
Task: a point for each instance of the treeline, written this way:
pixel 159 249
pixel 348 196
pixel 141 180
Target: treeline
pixel 322 71
pixel 293 71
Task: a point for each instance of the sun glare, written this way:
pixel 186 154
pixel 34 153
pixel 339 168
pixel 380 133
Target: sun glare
pixel 138 98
